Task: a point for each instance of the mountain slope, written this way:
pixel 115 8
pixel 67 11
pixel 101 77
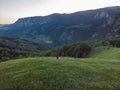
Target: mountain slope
pixel 58 29
pixel 20 44
pixel 109 30
pixel 18 48
pixel 105 53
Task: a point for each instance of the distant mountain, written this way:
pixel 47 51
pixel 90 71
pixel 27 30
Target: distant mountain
pixel 109 30
pixel 4 26
pixel 1 25
pixel 58 29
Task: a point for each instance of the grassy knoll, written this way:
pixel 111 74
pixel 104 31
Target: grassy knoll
pixel 105 52
pixel 47 73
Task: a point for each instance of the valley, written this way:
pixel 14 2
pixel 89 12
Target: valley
pixel 59 29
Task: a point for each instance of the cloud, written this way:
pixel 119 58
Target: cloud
pixel 20 3
pixel 24 8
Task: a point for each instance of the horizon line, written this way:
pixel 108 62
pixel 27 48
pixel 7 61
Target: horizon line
pixel 58 13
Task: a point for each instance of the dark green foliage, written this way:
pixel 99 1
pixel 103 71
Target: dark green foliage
pixel 21 44
pixel 71 50
pixel 18 48
pixel 6 54
pixel 114 43
pixel 105 42
pixel 76 50
pixel 82 49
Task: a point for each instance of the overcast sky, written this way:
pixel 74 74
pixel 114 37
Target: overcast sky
pixel 11 10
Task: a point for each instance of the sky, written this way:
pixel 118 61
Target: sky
pixel 11 10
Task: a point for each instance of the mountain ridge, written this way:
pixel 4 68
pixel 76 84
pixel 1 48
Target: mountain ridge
pixel 58 29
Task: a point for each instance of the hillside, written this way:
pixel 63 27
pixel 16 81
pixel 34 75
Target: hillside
pixel 58 29
pixel 105 53
pixel 19 48
pixel 20 44
pixel 47 73
pixel 109 30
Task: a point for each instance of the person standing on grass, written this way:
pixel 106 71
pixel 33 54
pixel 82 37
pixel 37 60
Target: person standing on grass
pixel 57 56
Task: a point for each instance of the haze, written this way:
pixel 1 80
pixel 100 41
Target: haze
pixel 11 10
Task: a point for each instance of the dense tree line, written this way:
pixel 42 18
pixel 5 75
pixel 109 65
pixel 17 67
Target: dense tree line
pixel 18 48
pixel 22 45
pixel 112 42
pixel 6 54
pixel 106 42
pixel 72 50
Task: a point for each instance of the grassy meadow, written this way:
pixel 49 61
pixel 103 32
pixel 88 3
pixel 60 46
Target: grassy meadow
pixel 105 53
pixel 101 71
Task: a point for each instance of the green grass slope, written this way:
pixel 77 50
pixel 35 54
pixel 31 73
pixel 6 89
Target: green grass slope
pixel 105 52
pixel 48 73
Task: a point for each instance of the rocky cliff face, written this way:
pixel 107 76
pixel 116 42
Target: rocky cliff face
pixel 109 30
pixel 32 21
